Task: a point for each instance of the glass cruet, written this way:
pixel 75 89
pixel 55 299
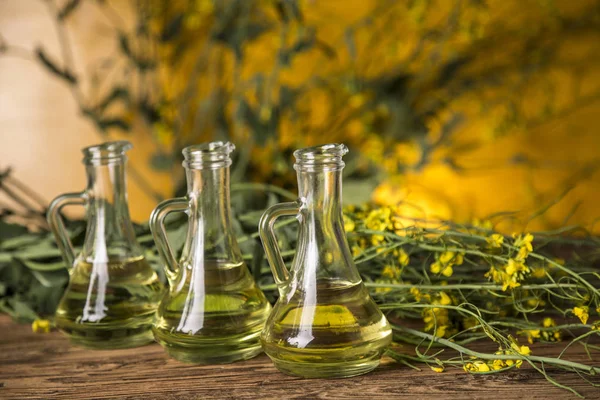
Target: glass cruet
pixel 214 311
pixel 324 324
pixel 113 292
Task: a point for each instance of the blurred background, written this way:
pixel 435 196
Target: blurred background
pixel 476 111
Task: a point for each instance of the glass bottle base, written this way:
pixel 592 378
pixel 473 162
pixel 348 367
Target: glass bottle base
pixel 107 340
pixel 197 350
pixel 336 370
pixel 199 356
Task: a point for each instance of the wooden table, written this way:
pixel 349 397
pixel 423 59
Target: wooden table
pixel 46 366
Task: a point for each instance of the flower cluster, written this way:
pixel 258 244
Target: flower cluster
pixel 483 366
pixel 582 312
pixel 437 319
pixel 445 262
pixel 511 274
pixel 545 335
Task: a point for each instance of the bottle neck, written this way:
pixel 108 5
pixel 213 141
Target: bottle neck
pixel 210 232
pixel 323 253
pixel 110 233
pixel 321 192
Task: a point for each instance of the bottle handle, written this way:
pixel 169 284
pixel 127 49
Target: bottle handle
pixel 266 230
pixel 57 225
pixel 159 233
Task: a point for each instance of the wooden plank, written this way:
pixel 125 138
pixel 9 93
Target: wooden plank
pixel 43 366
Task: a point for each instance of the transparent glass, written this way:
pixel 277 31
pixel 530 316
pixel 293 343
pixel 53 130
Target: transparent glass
pixel 324 323
pixel 213 311
pixel 113 292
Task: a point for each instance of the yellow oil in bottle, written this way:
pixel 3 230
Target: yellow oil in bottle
pixel 212 314
pixel 110 304
pixel 331 329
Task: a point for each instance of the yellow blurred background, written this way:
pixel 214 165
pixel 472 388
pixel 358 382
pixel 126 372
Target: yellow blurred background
pixel 42 132
pixel 547 163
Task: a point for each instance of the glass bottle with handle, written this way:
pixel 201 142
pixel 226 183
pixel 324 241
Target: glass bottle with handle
pixel 324 324
pixel 213 311
pixel 113 292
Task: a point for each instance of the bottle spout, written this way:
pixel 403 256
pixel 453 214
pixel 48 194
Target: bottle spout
pixel 325 156
pixel 106 153
pixel 212 154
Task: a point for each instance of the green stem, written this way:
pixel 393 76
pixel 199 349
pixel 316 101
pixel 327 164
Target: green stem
pixel 459 286
pixel 486 356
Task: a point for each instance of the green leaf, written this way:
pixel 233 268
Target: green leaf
pixel 8 231
pixel 258 255
pixel 43 267
pixel 51 278
pixel 43 250
pixel 22 310
pixel 19 241
pixel 177 237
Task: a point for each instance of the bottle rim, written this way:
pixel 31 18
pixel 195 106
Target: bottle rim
pixel 210 154
pixel 106 152
pixel 326 155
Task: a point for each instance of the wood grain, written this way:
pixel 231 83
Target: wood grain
pixel 46 366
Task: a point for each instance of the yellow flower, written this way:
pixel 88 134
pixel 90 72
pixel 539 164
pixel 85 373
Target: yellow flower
pixel 582 313
pixel 416 293
pixel 495 240
pixel 524 245
pixel 349 224
pixel 357 100
pixel 538 272
pixel 446 257
pixel 483 224
pixel 391 271
pixel 515 266
pixel 532 334
pixel 509 275
pixel 523 350
pixel 40 326
pixel 448 271
pixel 445 299
pixel 476 367
pixel 445 262
pixel 498 364
pixel 205 6
pixel 403 258
pixel 527 241
pixel 437 369
pixel 548 322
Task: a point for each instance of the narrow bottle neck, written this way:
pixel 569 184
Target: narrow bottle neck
pixel 110 233
pixel 210 231
pixel 322 242
pixel 209 189
pixel 321 192
pixel 106 184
